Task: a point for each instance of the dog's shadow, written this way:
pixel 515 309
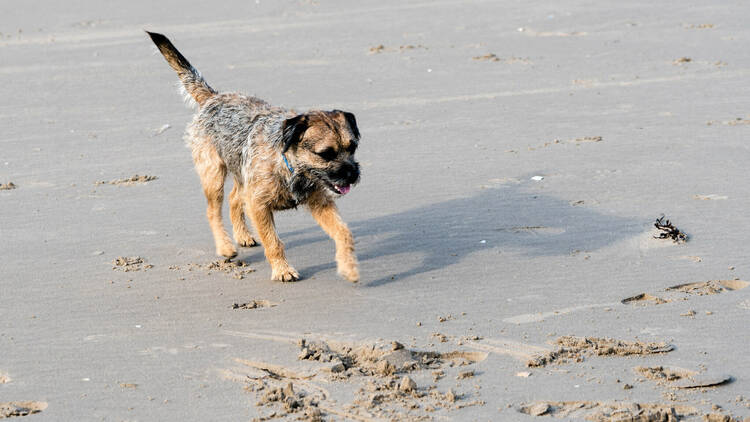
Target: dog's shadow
pixel 506 218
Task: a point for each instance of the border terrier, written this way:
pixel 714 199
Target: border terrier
pixel 279 159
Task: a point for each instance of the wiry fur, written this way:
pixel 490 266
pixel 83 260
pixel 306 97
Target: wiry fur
pixel 248 138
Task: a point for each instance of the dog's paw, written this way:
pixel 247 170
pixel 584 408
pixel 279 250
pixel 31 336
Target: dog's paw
pixel 349 272
pixel 286 273
pixel 246 242
pixel 227 251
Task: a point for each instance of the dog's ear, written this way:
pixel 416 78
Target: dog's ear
pixel 292 130
pixel 351 121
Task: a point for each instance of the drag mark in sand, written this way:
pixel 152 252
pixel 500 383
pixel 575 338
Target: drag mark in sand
pixel 541 316
pixel 576 141
pixel 522 351
pixel 274 336
pixel 423 101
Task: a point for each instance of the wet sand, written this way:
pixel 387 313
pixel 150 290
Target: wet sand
pixel 514 157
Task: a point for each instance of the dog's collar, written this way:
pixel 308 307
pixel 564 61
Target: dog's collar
pixel 289 166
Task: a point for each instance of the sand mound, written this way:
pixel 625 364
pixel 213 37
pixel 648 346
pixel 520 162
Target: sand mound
pixel 21 408
pixel 682 378
pixel 379 375
pixel 128 181
pixel 130 263
pixel 236 269
pixel 610 411
pixel 574 349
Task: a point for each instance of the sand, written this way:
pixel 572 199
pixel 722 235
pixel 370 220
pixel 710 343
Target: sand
pixel 514 156
pixel 128 180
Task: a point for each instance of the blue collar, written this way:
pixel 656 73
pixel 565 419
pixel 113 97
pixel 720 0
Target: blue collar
pixel 289 166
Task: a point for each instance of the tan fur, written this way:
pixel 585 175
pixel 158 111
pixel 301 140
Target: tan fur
pixel 212 172
pixel 327 215
pixel 236 213
pixel 247 137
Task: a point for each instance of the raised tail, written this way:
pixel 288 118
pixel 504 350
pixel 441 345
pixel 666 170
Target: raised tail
pixel 191 79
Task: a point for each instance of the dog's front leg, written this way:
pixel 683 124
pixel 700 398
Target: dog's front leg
pixel 329 219
pixel 262 218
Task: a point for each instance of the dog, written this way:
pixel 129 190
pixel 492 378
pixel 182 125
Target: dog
pixel 279 160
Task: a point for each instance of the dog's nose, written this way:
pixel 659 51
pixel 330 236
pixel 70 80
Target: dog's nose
pixel 352 174
pixel 349 172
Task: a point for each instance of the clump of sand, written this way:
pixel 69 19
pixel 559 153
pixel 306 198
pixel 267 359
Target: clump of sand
pixel 379 374
pixel 290 401
pixel 609 411
pixel 8 186
pixel 710 287
pixel 21 408
pixel 128 181
pixel 236 269
pixel 373 360
pixel 130 263
pixel 253 304
pixel 682 378
pixel 621 411
pixel 571 348
pixel 380 48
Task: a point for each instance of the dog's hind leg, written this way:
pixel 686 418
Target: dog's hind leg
pixel 241 234
pixel 212 171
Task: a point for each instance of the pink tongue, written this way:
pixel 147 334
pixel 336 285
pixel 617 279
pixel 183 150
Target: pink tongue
pixel 343 189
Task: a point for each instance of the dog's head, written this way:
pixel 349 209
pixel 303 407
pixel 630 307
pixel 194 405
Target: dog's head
pixel 323 144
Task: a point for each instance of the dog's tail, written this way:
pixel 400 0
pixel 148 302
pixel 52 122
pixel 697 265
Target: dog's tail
pixel 191 79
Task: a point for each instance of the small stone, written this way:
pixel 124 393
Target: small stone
pixel 385 368
pixel 627 387
pixel 465 374
pixel 523 374
pixel 338 367
pixel 396 345
pixel 407 385
pixel 539 409
pixel 289 390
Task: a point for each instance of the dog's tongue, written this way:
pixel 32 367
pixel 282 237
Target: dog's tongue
pixel 343 189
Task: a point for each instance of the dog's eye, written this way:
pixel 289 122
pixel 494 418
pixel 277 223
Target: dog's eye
pixel 327 154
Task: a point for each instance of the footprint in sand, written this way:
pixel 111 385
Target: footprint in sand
pixel 382 372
